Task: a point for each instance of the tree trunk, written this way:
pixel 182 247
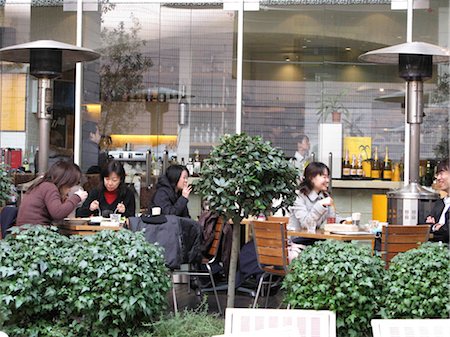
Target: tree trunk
pixel 235 247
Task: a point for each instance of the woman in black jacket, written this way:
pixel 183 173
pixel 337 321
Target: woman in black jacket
pixel 111 196
pixel 172 192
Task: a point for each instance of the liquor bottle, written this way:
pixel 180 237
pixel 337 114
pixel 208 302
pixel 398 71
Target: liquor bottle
pixel 376 166
pixel 346 166
pixel 353 167
pixel 197 164
pixel 387 167
pixel 190 167
pixel 359 168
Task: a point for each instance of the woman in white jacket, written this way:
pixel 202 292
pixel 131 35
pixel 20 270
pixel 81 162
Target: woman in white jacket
pixel 313 202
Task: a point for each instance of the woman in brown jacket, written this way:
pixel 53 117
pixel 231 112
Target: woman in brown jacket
pixel 47 199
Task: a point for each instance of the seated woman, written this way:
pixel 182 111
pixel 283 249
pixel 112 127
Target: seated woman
pixel 111 196
pixel 439 216
pixel 172 192
pixel 313 201
pixel 47 200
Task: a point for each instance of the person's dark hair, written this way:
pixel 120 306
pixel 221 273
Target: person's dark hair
pixel 173 174
pixel 301 137
pixel 88 128
pixel 116 167
pixel 62 174
pixel 443 166
pixel 312 170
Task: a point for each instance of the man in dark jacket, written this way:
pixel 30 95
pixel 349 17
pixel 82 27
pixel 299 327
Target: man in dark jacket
pixel 172 192
pixel 439 217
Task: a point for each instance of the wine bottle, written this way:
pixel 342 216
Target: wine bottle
pixel 359 167
pixel 353 167
pixel 387 167
pixel 346 166
pixel 376 166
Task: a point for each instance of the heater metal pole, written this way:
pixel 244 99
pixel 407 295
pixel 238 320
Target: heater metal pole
pixel 45 103
pixel 414 118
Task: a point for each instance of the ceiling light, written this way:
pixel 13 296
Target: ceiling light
pixel 287 59
pixel 348 48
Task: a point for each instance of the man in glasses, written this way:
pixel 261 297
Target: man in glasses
pixel 439 216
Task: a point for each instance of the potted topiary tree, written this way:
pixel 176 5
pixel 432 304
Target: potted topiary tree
pixel 241 178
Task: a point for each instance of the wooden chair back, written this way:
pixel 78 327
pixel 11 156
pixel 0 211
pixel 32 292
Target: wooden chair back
pixel 278 218
pixel 271 246
pixel 397 239
pixel 218 230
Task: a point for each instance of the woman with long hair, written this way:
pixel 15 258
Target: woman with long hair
pixel 47 200
pixel 313 201
pixel 112 196
pixel 172 192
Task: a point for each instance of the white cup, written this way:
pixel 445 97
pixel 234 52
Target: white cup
pixel 115 218
pixel 156 210
pixel 356 218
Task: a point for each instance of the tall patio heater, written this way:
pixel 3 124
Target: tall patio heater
pixel 47 59
pixel 410 204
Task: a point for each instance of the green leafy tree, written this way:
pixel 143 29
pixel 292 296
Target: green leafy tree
pixel 241 178
pixel 6 185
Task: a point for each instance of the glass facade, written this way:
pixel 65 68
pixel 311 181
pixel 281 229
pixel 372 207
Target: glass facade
pixel 167 76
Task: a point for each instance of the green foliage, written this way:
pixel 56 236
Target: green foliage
pixel 242 176
pixel 6 185
pixel 108 283
pixel 341 277
pixel 330 104
pixel 188 323
pixel 417 283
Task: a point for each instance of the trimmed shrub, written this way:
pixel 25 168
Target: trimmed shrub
pixel 104 285
pixel 341 277
pixel 417 285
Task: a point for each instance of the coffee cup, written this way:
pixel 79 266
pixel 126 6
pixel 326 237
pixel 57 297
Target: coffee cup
pixel 115 218
pixel 356 218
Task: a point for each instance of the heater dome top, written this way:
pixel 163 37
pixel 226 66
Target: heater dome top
pixel 390 55
pixel 71 54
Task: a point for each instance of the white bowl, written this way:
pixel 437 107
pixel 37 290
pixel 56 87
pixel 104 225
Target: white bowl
pixel 96 219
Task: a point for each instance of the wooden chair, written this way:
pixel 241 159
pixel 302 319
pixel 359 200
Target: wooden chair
pixel 271 246
pixel 410 327
pixel 207 263
pixel 397 239
pixel 279 322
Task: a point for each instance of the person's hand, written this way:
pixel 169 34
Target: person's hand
pixel 437 227
pixel 430 219
pixel 328 201
pixel 186 191
pixel 121 207
pixel 94 205
pixel 82 194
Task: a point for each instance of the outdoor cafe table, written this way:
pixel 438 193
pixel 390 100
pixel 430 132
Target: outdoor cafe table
pixel 321 234
pixel 72 227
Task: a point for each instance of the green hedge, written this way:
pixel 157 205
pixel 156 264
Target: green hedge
pixel 341 277
pixel 417 284
pixel 104 285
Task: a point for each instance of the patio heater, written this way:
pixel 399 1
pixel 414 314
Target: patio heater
pixel 410 205
pixel 47 59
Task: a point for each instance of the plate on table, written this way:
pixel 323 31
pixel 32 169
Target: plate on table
pixel 76 221
pixel 350 233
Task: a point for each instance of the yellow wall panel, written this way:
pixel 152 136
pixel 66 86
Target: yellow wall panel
pixel 12 103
